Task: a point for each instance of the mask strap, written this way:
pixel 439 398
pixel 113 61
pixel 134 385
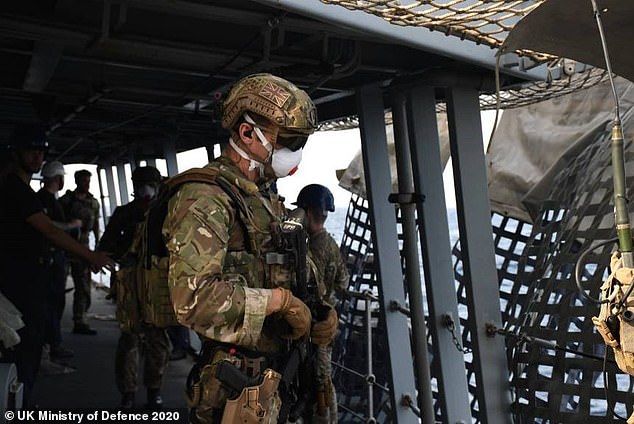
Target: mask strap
pixel 253 164
pixel 267 145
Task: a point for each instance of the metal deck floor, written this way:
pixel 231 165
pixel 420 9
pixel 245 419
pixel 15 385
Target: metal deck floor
pixel 92 384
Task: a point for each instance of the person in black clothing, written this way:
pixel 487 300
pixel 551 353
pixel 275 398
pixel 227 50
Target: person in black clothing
pixel 137 337
pixel 23 257
pixel 53 182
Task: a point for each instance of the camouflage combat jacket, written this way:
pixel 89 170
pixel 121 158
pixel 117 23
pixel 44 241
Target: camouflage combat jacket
pixel 217 274
pixel 331 269
pixel 86 209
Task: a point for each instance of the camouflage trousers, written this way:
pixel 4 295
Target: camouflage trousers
pixel 82 280
pixel 152 344
pixel 326 412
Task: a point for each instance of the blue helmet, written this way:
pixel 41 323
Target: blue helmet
pixel 29 137
pixel 316 196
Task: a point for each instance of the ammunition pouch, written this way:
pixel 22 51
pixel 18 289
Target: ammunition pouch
pixel 125 284
pixel 615 322
pixel 256 404
pixel 158 309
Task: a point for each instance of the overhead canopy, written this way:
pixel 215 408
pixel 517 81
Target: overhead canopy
pixel 115 81
pixel 567 28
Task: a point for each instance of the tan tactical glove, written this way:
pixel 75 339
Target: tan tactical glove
pixel 324 332
pixel 296 314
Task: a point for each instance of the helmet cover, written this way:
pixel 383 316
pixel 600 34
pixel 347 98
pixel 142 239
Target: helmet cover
pixel 273 98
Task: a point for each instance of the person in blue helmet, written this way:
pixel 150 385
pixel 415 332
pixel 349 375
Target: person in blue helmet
pixel 317 200
pixel 24 253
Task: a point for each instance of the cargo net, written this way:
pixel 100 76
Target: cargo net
pixel 363 385
pixel 360 397
pixel 510 237
pixel 484 22
pixel 555 356
pixel 562 380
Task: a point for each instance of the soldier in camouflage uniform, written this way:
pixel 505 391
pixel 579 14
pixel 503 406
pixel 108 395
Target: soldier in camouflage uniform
pixel 224 280
pixel 317 200
pixel 80 204
pixel 138 336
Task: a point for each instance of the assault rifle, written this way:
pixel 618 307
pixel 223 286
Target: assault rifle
pixel 297 384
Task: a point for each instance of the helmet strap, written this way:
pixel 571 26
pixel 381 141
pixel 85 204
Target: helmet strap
pixel 267 145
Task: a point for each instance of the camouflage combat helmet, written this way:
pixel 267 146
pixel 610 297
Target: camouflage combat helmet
pixel 275 99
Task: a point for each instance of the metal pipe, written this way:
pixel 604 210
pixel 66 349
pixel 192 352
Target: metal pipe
pixel 370 374
pixel 425 400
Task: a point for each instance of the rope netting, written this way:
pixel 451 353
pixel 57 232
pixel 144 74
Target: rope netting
pixel 509 99
pixel 482 21
pixel 485 22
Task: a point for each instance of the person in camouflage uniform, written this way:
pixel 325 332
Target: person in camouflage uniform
pixel 317 201
pixel 138 336
pixel 80 204
pixel 224 279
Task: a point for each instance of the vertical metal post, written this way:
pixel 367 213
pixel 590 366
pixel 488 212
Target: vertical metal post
pixel 102 196
pixel 133 162
pixel 412 265
pixel 476 242
pixel 210 152
pixel 112 198
pixel 453 392
pixel 385 245
pixel 151 162
pixel 123 184
pixel 169 151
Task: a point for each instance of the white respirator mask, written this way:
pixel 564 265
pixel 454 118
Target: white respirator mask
pixel 285 161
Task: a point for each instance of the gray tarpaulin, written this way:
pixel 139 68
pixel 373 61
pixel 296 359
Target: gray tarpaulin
pixel 567 28
pixel 353 178
pixel 533 143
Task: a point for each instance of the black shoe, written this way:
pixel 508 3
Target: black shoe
pixel 154 399
pixel 127 401
pixel 84 329
pixel 177 355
